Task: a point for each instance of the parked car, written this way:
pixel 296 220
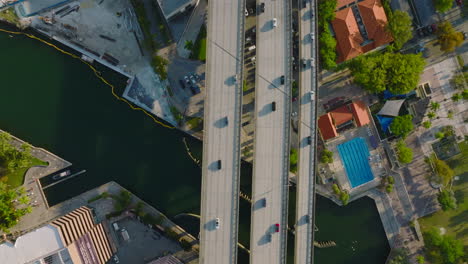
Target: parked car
pixel 193 80
pixel 246 12
pixel 312 95
pixel 262 7
pixel 195 89
pixel 187 80
pixel 182 84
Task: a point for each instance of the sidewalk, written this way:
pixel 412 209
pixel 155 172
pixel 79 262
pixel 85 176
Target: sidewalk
pixel 197 18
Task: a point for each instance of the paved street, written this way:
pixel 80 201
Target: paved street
pixel 305 199
pixel 221 142
pixel 268 234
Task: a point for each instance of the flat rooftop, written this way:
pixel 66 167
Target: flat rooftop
pixel 33 245
pixel 32 7
pixel 170 6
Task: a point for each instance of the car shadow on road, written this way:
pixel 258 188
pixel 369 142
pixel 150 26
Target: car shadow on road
pixel 266 109
pixel 267 26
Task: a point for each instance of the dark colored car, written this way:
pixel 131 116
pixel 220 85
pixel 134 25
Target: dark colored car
pixel 273 106
pixel 309 140
pixel 182 84
pixel 195 89
pixel 264 202
pixel 459 2
pixel 218 163
pixel 262 7
pixel 282 79
pixel 277 227
pixel 304 63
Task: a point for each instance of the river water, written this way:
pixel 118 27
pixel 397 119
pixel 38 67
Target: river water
pixel 55 102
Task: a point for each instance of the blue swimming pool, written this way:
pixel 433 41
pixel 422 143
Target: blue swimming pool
pixel 355 157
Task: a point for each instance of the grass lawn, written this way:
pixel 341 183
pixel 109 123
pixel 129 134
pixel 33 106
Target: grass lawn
pixel 10 16
pixel 199 48
pixel 16 178
pixel 454 221
pixel 195 123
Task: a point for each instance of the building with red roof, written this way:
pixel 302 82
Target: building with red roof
pixel 350 115
pixel 359 27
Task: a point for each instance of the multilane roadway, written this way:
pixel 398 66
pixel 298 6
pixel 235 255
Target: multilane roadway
pixel 305 200
pixel 272 134
pixel 221 142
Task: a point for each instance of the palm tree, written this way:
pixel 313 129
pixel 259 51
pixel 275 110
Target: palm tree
pixel 188 45
pixel 435 106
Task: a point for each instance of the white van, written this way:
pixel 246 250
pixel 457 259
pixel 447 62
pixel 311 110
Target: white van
pixel 251 48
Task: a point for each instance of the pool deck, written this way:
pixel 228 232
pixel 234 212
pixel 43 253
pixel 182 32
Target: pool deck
pixel 378 167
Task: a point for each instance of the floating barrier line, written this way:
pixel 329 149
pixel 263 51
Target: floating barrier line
pixel 96 72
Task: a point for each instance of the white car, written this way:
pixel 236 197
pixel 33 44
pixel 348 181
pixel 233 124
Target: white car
pixel 312 36
pixel 312 95
pixel 217 223
pixel 246 12
pixel 275 22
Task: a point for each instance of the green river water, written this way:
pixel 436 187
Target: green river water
pixel 55 102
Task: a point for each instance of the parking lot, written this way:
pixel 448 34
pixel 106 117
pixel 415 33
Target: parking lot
pixel 143 244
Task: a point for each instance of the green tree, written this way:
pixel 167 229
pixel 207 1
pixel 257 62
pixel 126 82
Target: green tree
pixel 188 45
pixel 327 156
pixel 447 200
pixel 326 11
pixel 427 124
pixel 12 158
pixel 402 125
pixel 399 73
pixel 389 188
pixel 465 94
pixel 159 65
pixel 327 49
pixel 443 249
pixel 420 259
pixel 435 106
pixel 431 115
pixel 400 257
pixel 344 197
pixel 460 80
pixel 13 206
pixel 443 6
pixel 457 97
pixel 448 38
pixel 403 72
pixel 443 172
pixel 400 25
pixel 293 160
pixel 405 154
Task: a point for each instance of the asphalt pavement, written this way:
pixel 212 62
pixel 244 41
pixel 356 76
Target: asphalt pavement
pixel 305 197
pixel 268 237
pixel 221 142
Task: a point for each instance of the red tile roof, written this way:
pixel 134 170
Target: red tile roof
pixel 327 129
pixel 341 3
pixel 361 116
pixel 347 33
pixel 341 115
pixel 356 110
pixel 373 14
